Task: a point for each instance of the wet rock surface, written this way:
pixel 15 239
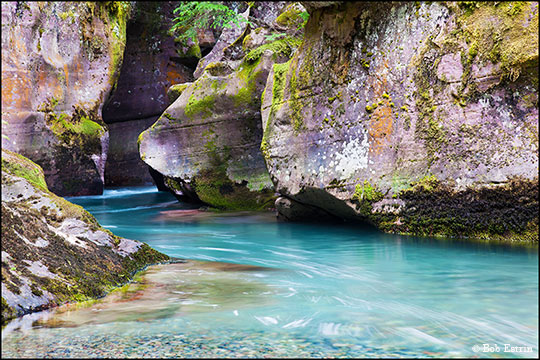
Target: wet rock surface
pixel 59 63
pixel 225 167
pixel 382 101
pixel 54 251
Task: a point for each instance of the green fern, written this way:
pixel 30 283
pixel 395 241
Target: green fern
pixel 195 15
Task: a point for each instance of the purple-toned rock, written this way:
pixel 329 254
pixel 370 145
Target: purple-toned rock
pixel 450 68
pixel 421 119
pixel 150 65
pixel 149 68
pixel 207 143
pixel 59 63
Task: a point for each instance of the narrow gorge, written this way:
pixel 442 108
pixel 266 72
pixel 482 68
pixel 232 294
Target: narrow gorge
pixel 251 179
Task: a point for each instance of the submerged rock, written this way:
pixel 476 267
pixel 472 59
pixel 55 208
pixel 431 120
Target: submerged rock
pixel 54 251
pixel 188 286
pixel 59 62
pixel 419 118
pixel 207 142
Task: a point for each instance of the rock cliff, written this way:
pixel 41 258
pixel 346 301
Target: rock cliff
pixel 421 118
pixel 207 142
pixel 54 251
pixel 59 63
pixel 151 65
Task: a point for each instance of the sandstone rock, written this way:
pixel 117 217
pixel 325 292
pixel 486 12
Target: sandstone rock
pixel 59 62
pixel 175 91
pixel 450 68
pixel 363 123
pixel 54 251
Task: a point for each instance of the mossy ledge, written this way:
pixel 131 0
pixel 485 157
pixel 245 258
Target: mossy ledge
pixel 53 251
pixel 505 212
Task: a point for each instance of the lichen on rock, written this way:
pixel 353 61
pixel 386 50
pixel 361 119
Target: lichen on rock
pixel 381 96
pixel 54 251
pixel 226 168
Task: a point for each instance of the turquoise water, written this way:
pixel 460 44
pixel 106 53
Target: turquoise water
pixel 335 290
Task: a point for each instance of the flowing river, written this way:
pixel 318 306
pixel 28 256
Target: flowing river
pixel 312 290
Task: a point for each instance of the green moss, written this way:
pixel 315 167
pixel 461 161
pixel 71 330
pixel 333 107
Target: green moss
pixel 290 17
pixel 364 196
pixel 367 192
pixel 21 166
pixel 218 68
pixel 513 42
pixel 216 189
pixel 507 211
pixel 372 107
pixel 118 13
pixel 427 184
pixel 82 126
pixel 64 15
pixel 364 63
pixel 175 91
pixel 278 87
pixel 295 104
pixel 283 47
pixel 428 127
pixel 168 116
pixel 197 106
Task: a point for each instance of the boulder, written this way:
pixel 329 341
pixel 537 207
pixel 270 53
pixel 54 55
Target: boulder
pixel 224 167
pixel 54 251
pixel 419 118
pixel 59 63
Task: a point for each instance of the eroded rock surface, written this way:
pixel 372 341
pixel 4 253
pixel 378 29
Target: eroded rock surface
pixel 419 118
pixel 59 63
pixel 207 143
pixel 151 65
pixel 54 251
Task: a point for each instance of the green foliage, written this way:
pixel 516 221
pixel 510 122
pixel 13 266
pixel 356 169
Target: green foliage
pixel 194 15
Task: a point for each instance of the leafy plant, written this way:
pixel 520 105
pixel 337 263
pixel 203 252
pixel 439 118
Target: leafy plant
pixel 194 15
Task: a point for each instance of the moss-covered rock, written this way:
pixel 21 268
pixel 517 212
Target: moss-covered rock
pixel 60 61
pixel 380 96
pixel 54 251
pixel 225 168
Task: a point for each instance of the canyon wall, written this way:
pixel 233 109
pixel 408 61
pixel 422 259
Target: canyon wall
pixel 152 63
pixel 60 61
pixel 421 118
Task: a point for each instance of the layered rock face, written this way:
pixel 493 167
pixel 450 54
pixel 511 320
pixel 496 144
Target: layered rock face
pixel 151 65
pixel 54 251
pixel 421 119
pixel 59 63
pixel 206 143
